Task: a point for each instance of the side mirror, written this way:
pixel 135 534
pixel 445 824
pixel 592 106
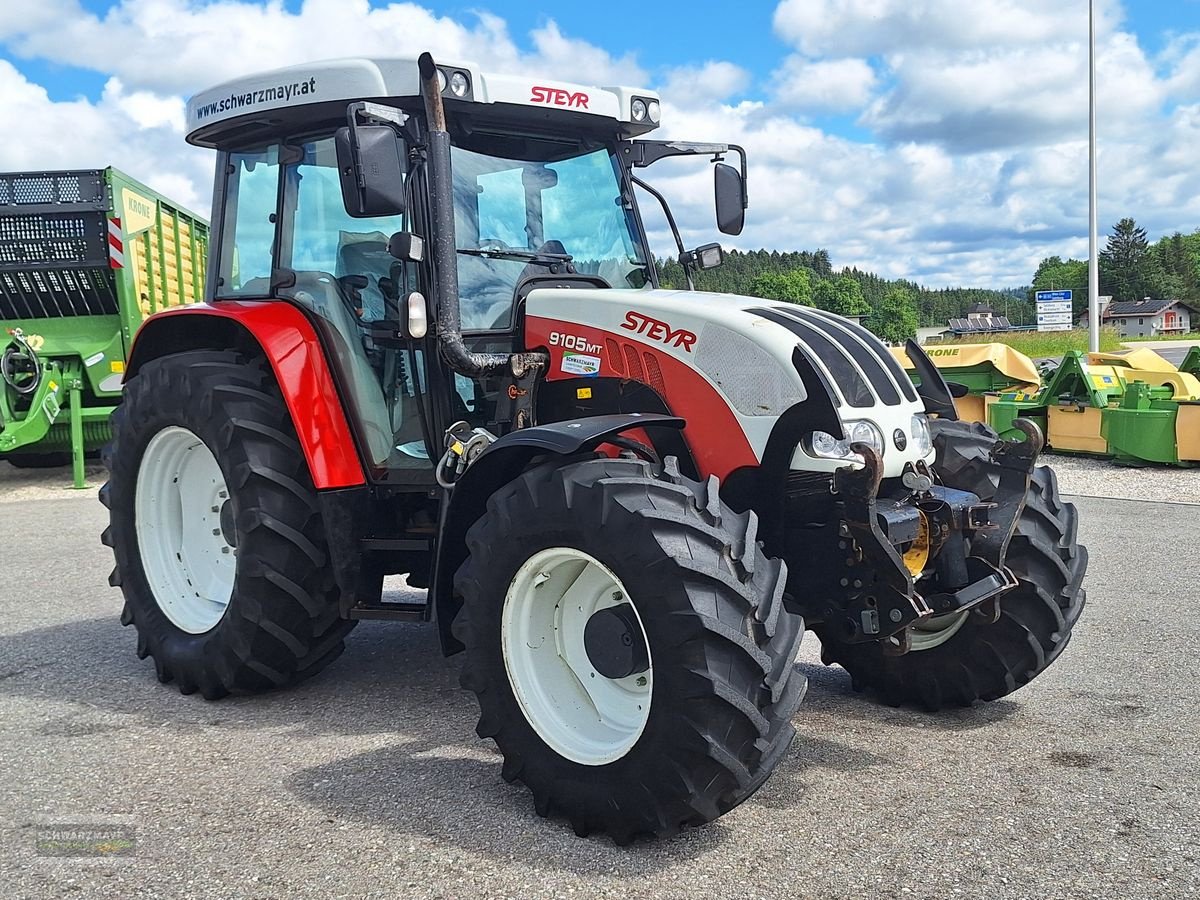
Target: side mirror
pixel 371 168
pixel 730 194
pixel 706 256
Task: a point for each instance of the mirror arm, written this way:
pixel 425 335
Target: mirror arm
pixel 687 272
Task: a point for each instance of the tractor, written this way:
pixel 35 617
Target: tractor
pixel 433 344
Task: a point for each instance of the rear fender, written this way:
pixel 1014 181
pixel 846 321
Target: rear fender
pixel 499 464
pixel 287 339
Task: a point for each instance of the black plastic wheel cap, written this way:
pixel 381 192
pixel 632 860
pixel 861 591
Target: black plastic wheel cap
pixel 614 642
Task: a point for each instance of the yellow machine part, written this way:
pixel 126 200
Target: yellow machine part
pixel 1139 358
pixel 164 271
pixel 1072 428
pixel 972 408
pixel 1007 361
pixel 1187 432
pixel 916 558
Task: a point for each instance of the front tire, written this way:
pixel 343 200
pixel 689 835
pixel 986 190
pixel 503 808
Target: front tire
pixel 958 659
pixel 214 523
pixel 683 732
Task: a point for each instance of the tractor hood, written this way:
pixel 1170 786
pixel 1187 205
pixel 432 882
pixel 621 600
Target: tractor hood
pixel 740 346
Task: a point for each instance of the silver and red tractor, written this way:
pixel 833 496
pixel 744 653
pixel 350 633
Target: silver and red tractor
pixel 434 344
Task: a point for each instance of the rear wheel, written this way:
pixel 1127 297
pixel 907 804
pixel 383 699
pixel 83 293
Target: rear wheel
pixel 628 645
pixel 960 658
pixel 214 523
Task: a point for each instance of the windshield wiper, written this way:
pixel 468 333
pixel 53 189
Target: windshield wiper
pixel 532 256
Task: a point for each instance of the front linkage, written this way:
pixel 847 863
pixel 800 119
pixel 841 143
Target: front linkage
pixel 866 558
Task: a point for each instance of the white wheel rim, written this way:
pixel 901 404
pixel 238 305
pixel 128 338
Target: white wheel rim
pixel 576 711
pixel 188 561
pixel 935 631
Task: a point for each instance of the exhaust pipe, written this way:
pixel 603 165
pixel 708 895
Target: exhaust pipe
pixel 443 251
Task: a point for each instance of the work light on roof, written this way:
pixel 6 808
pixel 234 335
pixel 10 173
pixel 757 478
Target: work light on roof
pixel 654 111
pixel 638 110
pixel 459 84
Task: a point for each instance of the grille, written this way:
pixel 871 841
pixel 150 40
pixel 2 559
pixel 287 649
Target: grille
pixel 57 293
pixel 39 239
pixel 754 381
pixel 41 191
pixel 630 361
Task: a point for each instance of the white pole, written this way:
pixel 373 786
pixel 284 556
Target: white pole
pixel 1093 228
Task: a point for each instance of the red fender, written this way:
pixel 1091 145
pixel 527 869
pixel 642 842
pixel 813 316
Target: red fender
pixel 291 345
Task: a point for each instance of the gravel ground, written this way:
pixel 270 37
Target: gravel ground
pixel 369 782
pixel 43 484
pixel 1082 476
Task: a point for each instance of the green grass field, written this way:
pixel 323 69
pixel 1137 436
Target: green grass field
pixel 1037 344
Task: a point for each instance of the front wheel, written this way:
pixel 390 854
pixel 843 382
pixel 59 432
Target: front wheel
pixel 628 645
pixel 960 658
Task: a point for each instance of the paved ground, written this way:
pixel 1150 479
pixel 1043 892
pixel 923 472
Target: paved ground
pixel 369 781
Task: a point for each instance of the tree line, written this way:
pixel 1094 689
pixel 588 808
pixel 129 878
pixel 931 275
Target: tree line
pixel 893 309
pixel 1131 268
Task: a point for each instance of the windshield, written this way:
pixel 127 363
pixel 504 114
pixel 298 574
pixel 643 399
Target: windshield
pixel 514 218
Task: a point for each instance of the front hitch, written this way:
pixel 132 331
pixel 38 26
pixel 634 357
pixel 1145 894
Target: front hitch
pixel 879 601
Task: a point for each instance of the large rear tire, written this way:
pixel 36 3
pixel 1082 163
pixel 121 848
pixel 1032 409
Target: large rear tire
pixel 957 660
pixel 716 688
pixel 214 522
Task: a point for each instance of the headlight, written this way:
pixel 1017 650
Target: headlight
pixel 826 446
pixel 654 111
pixel 922 440
pixel 638 110
pixel 864 432
pixel 459 84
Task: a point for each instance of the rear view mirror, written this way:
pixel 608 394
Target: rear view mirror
pixel 371 168
pixel 730 193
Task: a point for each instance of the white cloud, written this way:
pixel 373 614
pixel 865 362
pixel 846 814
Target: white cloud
pixel 138 132
pixel 709 83
pixel 974 165
pixel 832 84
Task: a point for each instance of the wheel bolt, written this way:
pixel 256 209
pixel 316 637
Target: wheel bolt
pixel 641 682
pixel 217 531
pixel 895 615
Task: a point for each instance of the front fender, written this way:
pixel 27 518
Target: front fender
pixel 503 461
pixel 284 335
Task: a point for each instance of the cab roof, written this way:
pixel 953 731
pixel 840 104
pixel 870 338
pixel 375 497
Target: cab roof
pixel 317 90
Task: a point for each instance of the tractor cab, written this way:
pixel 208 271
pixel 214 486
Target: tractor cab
pixel 325 199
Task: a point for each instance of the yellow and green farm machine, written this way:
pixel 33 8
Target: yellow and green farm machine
pixel 1134 407
pixel 85 256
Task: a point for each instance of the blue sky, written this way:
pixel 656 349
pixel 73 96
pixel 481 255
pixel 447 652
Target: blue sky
pixel 900 135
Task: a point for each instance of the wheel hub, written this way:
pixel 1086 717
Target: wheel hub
pixel 614 644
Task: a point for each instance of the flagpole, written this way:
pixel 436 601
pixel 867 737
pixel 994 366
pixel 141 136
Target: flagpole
pixel 1093 228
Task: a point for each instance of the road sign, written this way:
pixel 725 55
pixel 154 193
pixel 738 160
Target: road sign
pixel 1066 327
pixel 1054 306
pixel 1052 295
pixel 1054 318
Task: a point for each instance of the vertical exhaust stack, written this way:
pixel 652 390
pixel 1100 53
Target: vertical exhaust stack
pixel 444 254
